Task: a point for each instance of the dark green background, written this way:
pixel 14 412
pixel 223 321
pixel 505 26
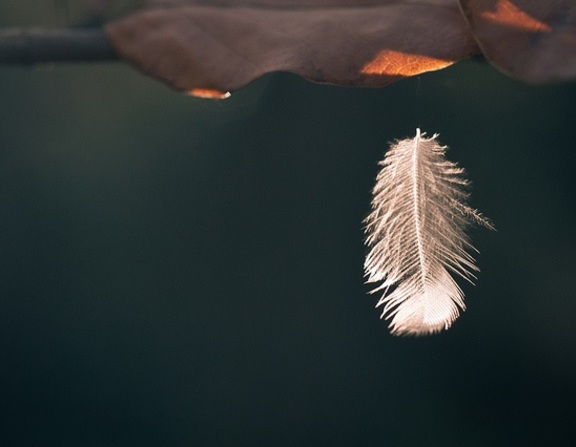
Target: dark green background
pixel 182 272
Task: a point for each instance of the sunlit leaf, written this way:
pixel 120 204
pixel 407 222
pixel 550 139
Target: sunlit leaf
pixel 221 47
pixel 531 40
pixel 211 47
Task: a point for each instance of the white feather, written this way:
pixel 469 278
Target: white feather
pixel 416 235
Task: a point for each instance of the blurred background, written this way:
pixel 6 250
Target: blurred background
pixel 186 272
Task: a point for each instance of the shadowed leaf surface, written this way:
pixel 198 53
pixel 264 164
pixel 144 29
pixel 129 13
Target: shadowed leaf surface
pixel 209 50
pixel 531 40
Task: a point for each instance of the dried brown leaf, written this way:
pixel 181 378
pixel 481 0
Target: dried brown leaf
pixel 222 47
pixel 534 40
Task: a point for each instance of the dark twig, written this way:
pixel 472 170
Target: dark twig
pixel 34 46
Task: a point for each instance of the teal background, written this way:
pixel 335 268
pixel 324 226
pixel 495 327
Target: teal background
pixel 179 272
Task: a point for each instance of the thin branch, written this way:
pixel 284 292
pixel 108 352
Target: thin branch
pixel 34 46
